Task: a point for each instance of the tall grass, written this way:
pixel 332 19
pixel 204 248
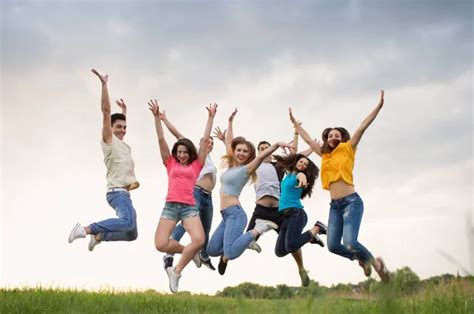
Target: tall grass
pixel 456 296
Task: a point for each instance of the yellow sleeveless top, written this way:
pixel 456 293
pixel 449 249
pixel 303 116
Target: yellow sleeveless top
pixel 338 164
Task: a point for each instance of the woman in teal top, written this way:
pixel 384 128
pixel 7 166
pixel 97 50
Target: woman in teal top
pixel 297 184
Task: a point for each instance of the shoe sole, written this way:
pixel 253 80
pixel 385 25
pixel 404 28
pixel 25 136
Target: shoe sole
pixel 71 234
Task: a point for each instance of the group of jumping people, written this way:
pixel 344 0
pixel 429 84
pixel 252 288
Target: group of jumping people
pixel 280 182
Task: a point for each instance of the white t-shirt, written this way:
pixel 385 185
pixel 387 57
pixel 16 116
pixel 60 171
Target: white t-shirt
pixel 119 163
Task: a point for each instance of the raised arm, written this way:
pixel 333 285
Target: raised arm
pixel 170 126
pixel 105 107
pixel 164 149
pixel 202 153
pixel 367 121
pixel 229 136
pixel 254 164
pixel 122 105
pixel 299 129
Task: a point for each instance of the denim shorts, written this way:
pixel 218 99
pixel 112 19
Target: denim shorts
pixel 178 211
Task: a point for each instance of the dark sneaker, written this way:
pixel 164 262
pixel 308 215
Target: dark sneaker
pixel 317 240
pixel 304 277
pixel 222 266
pixel 367 267
pixel 208 263
pixel 382 270
pixel 323 229
pixel 167 261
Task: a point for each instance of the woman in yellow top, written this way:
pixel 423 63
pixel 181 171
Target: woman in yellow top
pixel 345 215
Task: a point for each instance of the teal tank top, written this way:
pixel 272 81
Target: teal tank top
pixel 290 196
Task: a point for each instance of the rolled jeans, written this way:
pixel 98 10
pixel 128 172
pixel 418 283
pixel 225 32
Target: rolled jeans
pixel 205 209
pixel 228 239
pixel 123 228
pixel 290 238
pixel 345 216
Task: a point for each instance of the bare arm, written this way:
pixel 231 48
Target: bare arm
pixel 202 153
pixel 367 121
pixel 230 133
pixel 122 105
pixel 170 126
pixel 105 107
pixel 254 164
pixel 299 129
pixel 164 149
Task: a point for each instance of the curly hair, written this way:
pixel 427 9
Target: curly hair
pixel 311 172
pixel 345 136
pixel 189 146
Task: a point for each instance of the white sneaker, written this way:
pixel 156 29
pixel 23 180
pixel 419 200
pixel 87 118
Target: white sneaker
pixel 76 233
pixel 254 246
pixel 174 279
pixel 93 242
pixel 262 225
pixel 197 260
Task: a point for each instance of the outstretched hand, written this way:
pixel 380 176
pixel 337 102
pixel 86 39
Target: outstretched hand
pixel 103 78
pixel 232 115
pixel 219 134
pixel 154 107
pixel 212 110
pixel 302 182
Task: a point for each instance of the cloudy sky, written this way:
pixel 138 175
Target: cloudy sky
pixel 326 59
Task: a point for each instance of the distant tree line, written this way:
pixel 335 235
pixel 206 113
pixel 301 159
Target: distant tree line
pixel 403 282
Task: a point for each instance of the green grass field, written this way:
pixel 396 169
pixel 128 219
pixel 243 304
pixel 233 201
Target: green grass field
pixel 454 297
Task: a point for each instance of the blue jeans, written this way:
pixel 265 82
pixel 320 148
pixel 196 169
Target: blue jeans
pixel 228 239
pixel 345 216
pixel 123 228
pixel 290 238
pixel 204 206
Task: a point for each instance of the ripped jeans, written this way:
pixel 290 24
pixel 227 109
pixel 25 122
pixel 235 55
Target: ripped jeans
pixel 345 216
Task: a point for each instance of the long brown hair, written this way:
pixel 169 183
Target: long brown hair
pixel 228 159
pixel 311 172
pixel 345 136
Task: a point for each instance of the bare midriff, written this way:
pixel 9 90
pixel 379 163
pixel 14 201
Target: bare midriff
pixel 268 201
pixel 340 189
pixel 207 183
pixel 228 200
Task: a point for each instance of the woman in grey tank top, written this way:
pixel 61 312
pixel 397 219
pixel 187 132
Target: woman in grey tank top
pixel 228 240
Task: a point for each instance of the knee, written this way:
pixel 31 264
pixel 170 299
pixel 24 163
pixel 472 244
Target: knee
pixel 132 236
pixel 333 247
pixel 280 253
pixel 161 246
pixel 130 224
pixel 199 240
pixel 212 250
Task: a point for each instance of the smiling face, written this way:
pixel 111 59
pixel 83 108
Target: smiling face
pixel 182 154
pixel 119 128
pixel 334 138
pixel 241 154
pixel 302 164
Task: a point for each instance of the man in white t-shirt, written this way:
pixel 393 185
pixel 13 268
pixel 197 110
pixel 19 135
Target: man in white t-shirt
pixel 120 179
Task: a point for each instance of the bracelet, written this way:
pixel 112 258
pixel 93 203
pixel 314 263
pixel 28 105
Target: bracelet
pixel 296 133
